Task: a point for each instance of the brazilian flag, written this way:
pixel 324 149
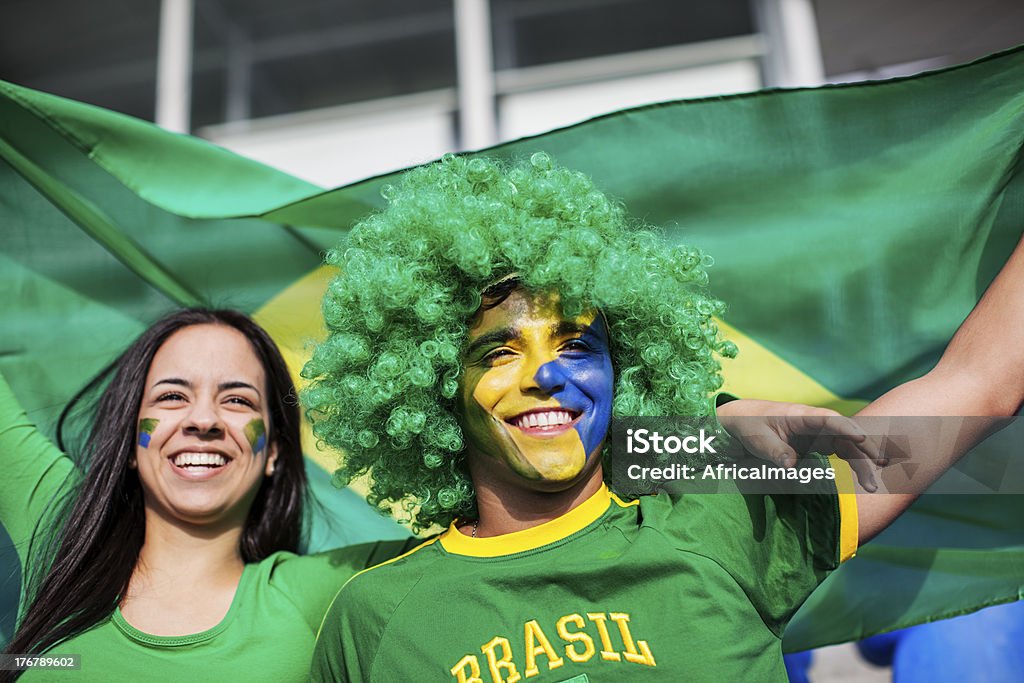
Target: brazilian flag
pixel 853 227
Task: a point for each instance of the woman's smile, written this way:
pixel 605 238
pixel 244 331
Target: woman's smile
pixel 199 464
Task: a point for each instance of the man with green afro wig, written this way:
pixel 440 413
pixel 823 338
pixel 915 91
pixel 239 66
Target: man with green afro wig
pixel 385 382
pixel 483 330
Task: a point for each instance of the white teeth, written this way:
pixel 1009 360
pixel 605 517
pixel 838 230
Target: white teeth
pixel 199 459
pixel 548 418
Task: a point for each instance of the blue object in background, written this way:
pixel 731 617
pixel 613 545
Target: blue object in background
pixel 878 650
pixel 987 646
pixel 797 665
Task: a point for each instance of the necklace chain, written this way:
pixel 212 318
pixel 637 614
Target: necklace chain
pixel 476 525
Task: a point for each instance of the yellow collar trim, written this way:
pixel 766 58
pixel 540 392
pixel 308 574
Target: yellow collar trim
pixel 581 516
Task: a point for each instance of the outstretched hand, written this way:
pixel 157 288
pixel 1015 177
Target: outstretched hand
pixel 787 431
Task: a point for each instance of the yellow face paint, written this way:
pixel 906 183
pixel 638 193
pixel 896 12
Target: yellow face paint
pixel 536 389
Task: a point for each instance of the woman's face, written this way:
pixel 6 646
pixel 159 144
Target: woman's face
pixel 203 448
pixel 536 391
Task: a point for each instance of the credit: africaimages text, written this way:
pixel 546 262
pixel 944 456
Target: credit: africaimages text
pixel 696 455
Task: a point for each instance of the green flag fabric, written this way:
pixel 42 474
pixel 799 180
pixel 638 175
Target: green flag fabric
pixel 852 227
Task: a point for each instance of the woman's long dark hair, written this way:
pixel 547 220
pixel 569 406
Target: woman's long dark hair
pixel 80 573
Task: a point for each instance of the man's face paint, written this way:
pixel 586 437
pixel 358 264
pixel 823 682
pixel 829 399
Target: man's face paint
pixel 146 427
pixel 536 391
pixel 256 434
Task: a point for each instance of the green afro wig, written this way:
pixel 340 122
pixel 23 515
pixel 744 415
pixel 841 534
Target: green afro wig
pixel 383 383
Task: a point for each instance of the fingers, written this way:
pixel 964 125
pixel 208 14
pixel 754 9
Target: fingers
pixel 766 444
pixel 862 447
pixel 844 427
pixel 865 448
pixel 859 454
pixel 860 462
pixel 851 443
pixel 836 430
pixel 807 429
pixel 783 455
pixel 832 423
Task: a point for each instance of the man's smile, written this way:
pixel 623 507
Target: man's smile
pixel 545 421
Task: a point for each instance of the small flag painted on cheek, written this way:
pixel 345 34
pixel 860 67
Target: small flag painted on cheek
pixel 146 427
pixel 256 433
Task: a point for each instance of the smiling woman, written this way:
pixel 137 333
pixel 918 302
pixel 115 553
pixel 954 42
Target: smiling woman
pixel 204 397
pixel 180 525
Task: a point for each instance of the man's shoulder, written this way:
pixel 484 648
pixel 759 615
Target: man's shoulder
pixel 367 601
pixel 407 567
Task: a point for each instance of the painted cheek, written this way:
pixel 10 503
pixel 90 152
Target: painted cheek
pixel 474 408
pixel 484 388
pixel 256 435
pixel 487 391
pixel 147 426
pixel 600 386
pixel 585 386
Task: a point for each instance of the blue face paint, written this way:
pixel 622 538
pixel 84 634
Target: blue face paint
pixel 536 391
pixel 582 380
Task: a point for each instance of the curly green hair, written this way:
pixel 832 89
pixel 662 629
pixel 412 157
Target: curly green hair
pixel 383 383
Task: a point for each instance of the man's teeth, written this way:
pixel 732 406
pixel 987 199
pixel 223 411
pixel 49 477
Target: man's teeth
pixel 199 459
pixel 549 418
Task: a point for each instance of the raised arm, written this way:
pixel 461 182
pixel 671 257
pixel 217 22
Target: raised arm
pixel 981 373
pixel 33 470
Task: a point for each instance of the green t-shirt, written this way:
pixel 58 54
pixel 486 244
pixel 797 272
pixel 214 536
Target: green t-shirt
pixel 268 632
pixel 688 589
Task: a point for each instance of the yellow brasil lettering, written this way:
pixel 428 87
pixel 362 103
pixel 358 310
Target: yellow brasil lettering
pixel 499 656
pixel 503 663
pixel 575 637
